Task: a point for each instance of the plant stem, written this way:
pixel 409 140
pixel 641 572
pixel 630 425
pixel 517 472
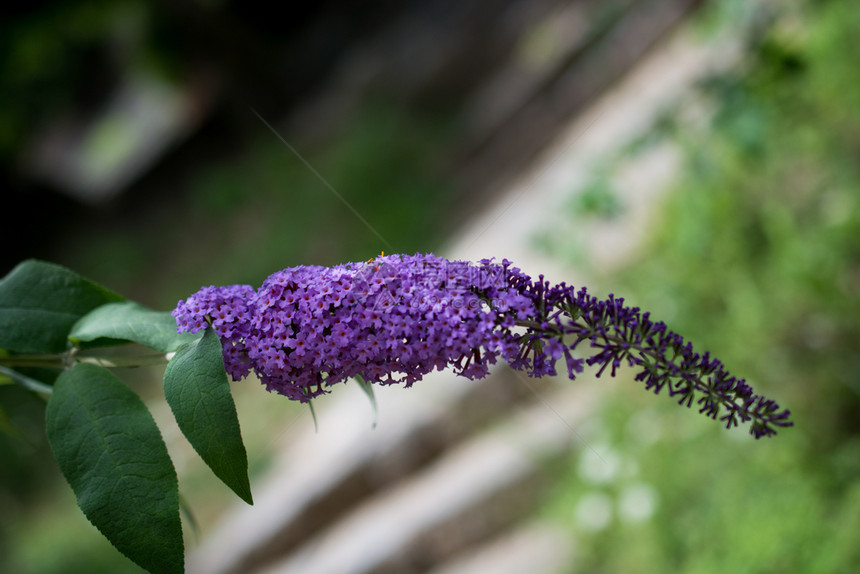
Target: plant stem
pixel 68 359
pixel 27 382
pixel 56 361
pixel 127 361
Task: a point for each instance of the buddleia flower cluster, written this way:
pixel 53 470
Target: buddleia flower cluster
pixel 398 317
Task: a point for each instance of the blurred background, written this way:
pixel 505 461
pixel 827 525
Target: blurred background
pixel 156 147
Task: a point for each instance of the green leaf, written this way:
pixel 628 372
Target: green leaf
pixel 111 452
pixel 39 303
pixel 132 322
pixel 368 390
pixel 313 414
pixel 185 510
pixel 198 392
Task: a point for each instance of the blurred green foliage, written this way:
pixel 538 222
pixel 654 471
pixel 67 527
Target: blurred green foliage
pixel 760 235
pixel 597 199
pixel 56 57
pixel 722 502
pixel 244 217
pixel 756 257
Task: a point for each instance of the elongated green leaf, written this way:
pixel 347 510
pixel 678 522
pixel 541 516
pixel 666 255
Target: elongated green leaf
pixel 313 414
pixel 185 510
pixel 198 392
pixel 132 322
pixel 111 452
pixel 39 303
pixel 368 390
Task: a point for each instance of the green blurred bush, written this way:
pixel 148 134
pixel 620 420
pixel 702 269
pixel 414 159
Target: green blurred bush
pixel 756 257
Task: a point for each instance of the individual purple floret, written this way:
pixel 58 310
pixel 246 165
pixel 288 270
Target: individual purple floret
pixel 396 318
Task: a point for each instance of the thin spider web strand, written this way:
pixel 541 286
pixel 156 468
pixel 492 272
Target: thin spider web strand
pixel 325 182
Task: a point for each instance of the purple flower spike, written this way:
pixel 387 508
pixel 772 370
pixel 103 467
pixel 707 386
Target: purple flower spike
pixel 396 318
